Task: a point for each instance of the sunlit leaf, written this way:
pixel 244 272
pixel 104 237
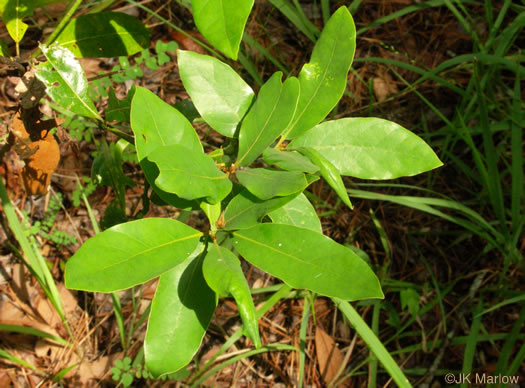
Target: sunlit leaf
pixel 65 81
pixel 323 79
pixel 266 183
pixel 370 148
pixel 272 111
pixel 189 174
pixel 298 212
pixel 306 259
pixel 222 22
pixel 180 314
pixel 220 95
pixel 223 273
pixel 129 254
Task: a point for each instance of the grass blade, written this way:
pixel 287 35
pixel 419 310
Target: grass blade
pixel 373 342
pixel 472 340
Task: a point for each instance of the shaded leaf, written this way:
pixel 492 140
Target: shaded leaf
pixel 223 273
pixel 305 259
pixel 190 174
pixel 298 212
pixel 289 160
pixel 266 183
pixel 323 79
pixel 119 110
pixel 329 173
pixel 104 34
pixel 220 95
pixel 246 210
pixel 129 254
pixel 271 112
pixel 65 81
pixel 180 314
pixel 222 22
pixel 370 148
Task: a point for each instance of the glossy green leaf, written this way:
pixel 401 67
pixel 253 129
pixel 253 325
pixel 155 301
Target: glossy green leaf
pixel 119 110
pixel 370 148
pixel 190 174
pixel 303 258
pixel 13 11
pixel 266 183
pixel 129 254
pixel 104 34
pixel 298 212
pixel 222 22
pixel 180 314
pixel 289 160
pixel 65 81
pixel 329 173
pixel 246 210
pixel 223 273
pixel 220 95
pixel 155 124
pixel 271 112
pixel 323 79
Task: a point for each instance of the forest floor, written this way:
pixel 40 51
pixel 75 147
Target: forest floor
pixel 434 272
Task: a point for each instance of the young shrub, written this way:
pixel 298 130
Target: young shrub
pixel 283 124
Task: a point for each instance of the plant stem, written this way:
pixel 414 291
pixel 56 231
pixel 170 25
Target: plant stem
pixel 65 20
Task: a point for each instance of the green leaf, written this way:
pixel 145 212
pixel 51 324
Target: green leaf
pixel 370 148
pixel 410 298
pixel 190 174
pixel 289 160
pixel 323 79
pixel 151 171
pixel 266 183
pixel 104 34
pixel 271 112
pixel 180 314
pixel 130 254
pixel 119 110
pixel 65 81
pixel 246 210
pixel 13 11
pixel 329 173
pixel 222 22
pixel 223 273
pixel 155 124
pixel 220 95
pixel 305 259
pixel 298 212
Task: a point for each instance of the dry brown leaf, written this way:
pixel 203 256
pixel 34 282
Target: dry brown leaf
pixel 96 370
pixel 69 302
pixel 186 43
pixel 384 88
pixel 46 311
pixel 40 151
pixel 329 357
